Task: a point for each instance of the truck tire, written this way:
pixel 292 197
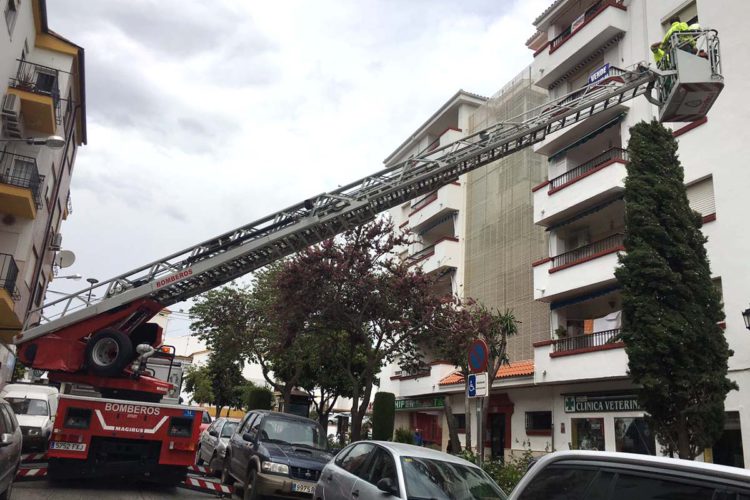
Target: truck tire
pixel 108 352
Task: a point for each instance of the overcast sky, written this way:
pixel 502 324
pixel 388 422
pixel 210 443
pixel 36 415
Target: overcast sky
pixel 204 116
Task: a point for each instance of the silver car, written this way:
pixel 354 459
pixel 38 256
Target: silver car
pixel 10 448
pixel 368 470
pixel 212 447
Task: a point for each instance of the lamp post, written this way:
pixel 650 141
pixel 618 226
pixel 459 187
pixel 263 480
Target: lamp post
pixel 746 317
pixel 71 277
pixel 52 142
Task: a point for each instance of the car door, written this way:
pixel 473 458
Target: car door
pixel 344 474
pixel 207 447
pixel 212 441
pixel 381 466
pixel 236 445
pixel 15 429
pixel 6 468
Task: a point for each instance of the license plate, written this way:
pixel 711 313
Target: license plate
pixel 61 445
pixel 303 488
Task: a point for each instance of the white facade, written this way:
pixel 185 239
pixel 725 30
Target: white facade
pixel 581 205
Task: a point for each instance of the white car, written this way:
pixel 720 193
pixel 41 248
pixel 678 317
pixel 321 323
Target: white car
pixel 583 475
pixel 212 447
pixel 35 407
pixel 378 470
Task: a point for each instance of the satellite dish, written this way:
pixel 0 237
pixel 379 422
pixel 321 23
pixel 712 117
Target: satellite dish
pixel 65 258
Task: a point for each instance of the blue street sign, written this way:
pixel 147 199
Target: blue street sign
pixel 478 356
pixel 472 386
pixel 599 75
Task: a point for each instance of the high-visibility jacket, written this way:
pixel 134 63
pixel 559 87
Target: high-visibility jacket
pixel 676 27
pixel 658 54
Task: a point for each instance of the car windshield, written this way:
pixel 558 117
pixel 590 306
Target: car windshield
pixel 436 479
pixel 23 406
pixel 206 419
pixel 295 432
pixel 228 429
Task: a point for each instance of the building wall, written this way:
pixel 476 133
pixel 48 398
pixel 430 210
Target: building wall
pixel 23 236
pixel 501 239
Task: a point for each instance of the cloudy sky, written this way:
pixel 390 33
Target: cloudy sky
pixel 204 116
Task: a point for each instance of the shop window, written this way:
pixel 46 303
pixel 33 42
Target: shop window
pixel 587 434
pixel 633 435
pixel 539 423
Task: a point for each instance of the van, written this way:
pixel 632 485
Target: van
pixel 35 407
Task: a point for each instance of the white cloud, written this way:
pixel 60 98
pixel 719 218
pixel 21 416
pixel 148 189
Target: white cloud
pixel 205 116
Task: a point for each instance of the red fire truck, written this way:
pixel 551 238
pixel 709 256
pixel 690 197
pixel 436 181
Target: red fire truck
pixel 100 336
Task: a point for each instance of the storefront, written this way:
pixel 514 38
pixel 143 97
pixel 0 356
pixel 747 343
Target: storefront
pixel 425 414
pixel 605 421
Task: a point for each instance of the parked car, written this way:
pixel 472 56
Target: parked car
pixel 212 447
pixel 573 475
pixel 205 421
pixel 11 442
pixel 376 470
pixel 35 407
pixel 276 454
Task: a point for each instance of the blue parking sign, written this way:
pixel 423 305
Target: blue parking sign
pixel 472 385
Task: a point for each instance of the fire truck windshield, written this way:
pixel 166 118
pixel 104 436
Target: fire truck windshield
pixel 23 406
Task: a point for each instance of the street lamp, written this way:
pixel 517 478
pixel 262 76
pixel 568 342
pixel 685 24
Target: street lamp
pixel 52 142
pixel 746 317
pixel 71 277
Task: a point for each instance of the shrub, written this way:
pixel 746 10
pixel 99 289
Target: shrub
pixel 383 416
pixel 259 398
pixel 403 436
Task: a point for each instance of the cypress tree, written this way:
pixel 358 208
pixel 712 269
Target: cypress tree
pixel 383 416
pixel 671 309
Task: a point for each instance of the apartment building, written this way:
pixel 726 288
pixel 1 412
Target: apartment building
pixel 580 367
pixel 43 98
pixel 436 222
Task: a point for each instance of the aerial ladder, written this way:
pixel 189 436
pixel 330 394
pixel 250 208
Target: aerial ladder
pixel 103 338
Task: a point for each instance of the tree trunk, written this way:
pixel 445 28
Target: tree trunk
pixel 218 410
pixel 683 441
pixel 286 396
pixel 467 412
pixel 358 412
pixel 455 444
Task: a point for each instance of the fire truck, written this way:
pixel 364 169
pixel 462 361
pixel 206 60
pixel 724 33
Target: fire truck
pixel 103 339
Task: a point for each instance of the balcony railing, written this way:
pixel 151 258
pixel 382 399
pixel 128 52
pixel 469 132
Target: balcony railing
pixel 590 13
pixel 586 167
pixel 39 80
pixel 8 274
pixel 424 201
pixel 586 341
pixel 20 171
pixel 427 251
pixel 589 251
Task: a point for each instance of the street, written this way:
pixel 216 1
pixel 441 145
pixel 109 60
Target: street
pixel 102 490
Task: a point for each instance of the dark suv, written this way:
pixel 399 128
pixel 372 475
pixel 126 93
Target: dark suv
pixel 276 454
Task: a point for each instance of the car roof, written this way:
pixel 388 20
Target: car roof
pixel 16 390
pixel 286 416
pixel 410 450
pixel 674 464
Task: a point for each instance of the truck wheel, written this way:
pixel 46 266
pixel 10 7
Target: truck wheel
pixel 108 352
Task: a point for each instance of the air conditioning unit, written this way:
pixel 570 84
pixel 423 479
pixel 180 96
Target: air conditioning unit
pixel 11 116
pixel 12 105
pixel 56 242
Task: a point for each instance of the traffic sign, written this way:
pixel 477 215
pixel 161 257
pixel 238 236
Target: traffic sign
pixel 477 385
pixel 478 356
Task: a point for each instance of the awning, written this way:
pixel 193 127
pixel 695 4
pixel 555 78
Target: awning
pixel 583 298
pixel 611 123
pixel 585 213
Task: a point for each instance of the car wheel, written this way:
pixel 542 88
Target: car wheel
pixel 214 465
pixel 5 495
pixel 226 478
pixel 198 458
pixel 251 489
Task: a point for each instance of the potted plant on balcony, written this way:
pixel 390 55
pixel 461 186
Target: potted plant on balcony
pixel 25 77
pixel 561 332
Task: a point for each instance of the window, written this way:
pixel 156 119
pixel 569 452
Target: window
pixel 11 417
pixel 687 13
pixel 4 428
pixel 587 434
pixel 228 429
pixel 539 423
pixel 245 424
pixel 356 459
pixel 460 421
pixel 39 295
pixel 719 288
pixel 563 482
pixel 701 196
pixel 11 12
pixel 32 407
pixel 382 467
pixel 254 425
pixel 633 435
pixel 630 486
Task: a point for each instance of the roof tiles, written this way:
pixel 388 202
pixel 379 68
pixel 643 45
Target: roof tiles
pixel 514 369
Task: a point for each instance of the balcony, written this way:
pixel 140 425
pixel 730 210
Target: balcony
pixel 20 185
pixel 601 24
pixel 580 188
pixel 442 255
pixel 8 296
pixel 425 382
pixel 436 206
pixel 561 360
pixel 37 88
pixel 577 271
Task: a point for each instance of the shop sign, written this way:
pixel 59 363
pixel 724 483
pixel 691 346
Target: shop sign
pixel 420 403
pixel 610 403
